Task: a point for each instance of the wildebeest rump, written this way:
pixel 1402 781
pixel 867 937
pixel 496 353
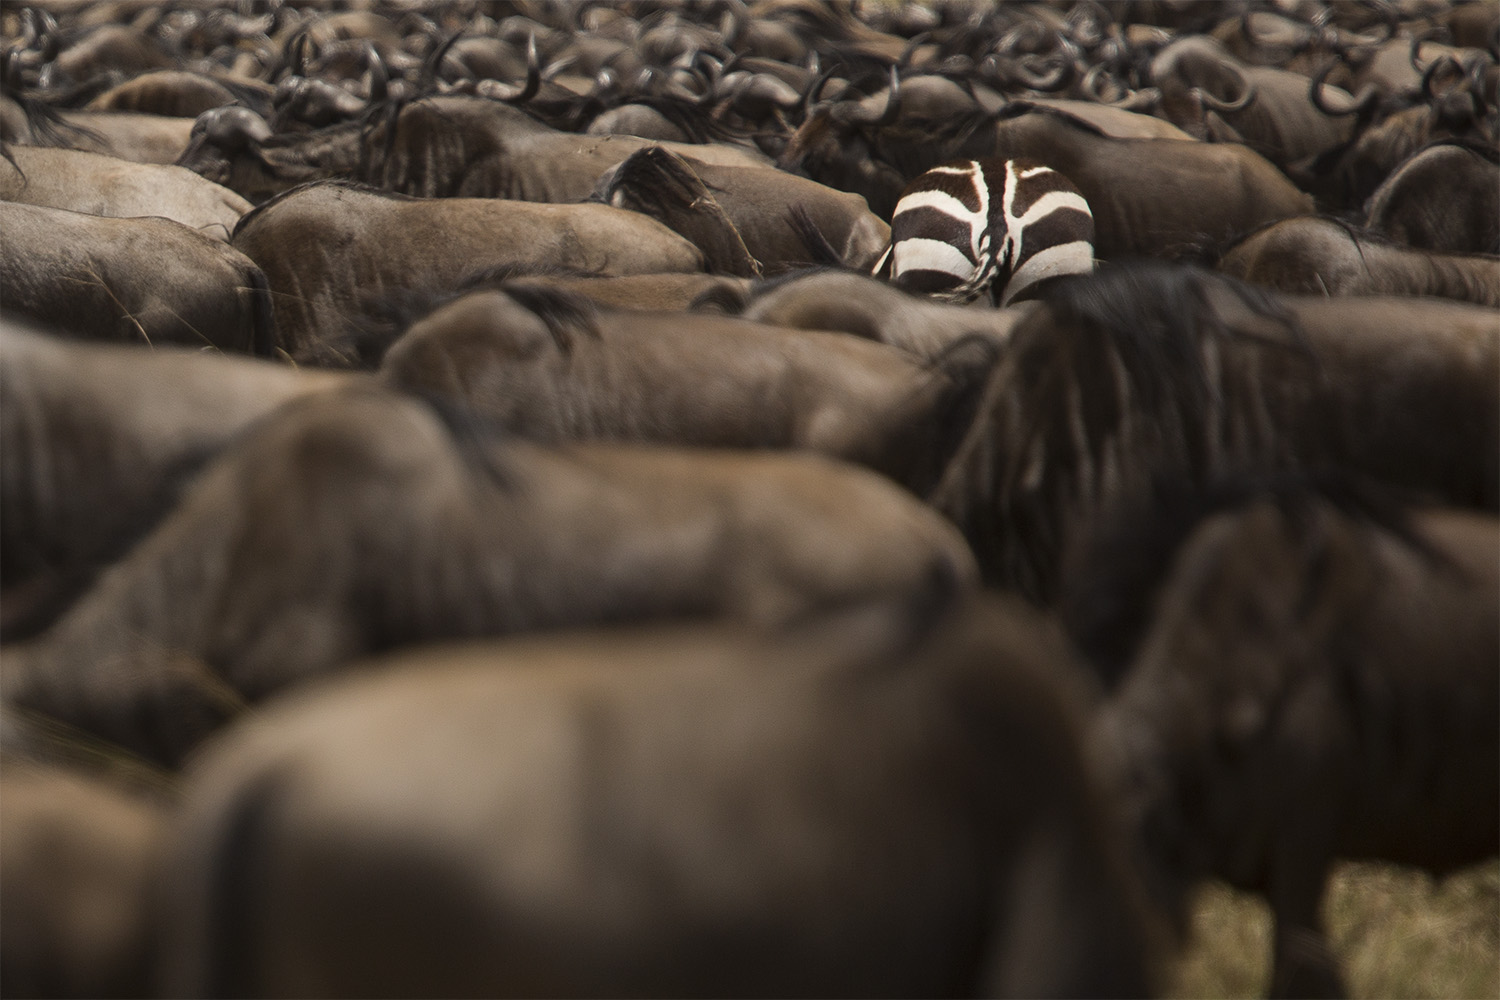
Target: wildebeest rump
pixel 105 185
pixel 144 281
pixel 95 443
pixel 542 367
pixel 1313 255
pixel 1319 680
pixel 353 522
pixel 1166 370
pixel 331 249
pixel 845 809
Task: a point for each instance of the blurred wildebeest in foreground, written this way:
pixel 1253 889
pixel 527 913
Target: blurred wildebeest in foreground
pixel 356 521
pixel 870 804
pixel 105 185
pixel 1321 256
pixel 545 366
pixel 147 281
pixel 77 856
pixel 96 442
pixel 1166 370
pixel 1303 675
pixel 330 248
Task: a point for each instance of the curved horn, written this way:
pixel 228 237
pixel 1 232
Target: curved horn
pixel 533 74
pixel 1366 97
pixel 911 47
pixel 435 59
pixel 1441 63
pixel 892 103
pixel 1247 94
pixel 1062 72
pixel 814 88
pixel 380 80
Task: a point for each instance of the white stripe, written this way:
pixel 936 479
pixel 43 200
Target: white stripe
pixel 1065 258
pixel 1051 202
pixel 943 202
pixel 1033 171
pixel 969 169
pixel 930 255
pixel 1012 248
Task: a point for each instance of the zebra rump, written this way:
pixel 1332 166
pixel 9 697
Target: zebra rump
pixel 995 227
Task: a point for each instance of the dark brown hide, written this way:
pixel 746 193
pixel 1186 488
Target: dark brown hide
pixel 95 441
pixel 1320 256
pixel 76 857
pixel 331 250
pixel 829 812
pixel 351 523
pixel 105 185
pixel 865 307
pixel 1315 687
pixel 1167 371
pixel 700 380
pixel 1446 198
pixel 148 281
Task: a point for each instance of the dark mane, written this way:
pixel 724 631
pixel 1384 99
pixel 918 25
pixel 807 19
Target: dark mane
pixel 1113 574
pixel 1102 388
pixel 1018 108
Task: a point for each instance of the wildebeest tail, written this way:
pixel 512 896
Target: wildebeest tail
pixel 823 253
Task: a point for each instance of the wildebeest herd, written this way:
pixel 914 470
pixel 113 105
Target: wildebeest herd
pixel 755 497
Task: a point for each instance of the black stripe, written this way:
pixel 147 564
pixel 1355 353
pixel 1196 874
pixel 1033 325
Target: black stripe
pixel 1053 229
pixel 932 224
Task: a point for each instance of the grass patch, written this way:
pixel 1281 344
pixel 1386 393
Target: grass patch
pixel 1397 932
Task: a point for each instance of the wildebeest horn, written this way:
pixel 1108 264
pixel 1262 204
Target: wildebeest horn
pixel 814 88
pixel 911 47
pixel 1058 79
pixel 380 81
pixel 533 74
pixel 435 59
pixel 1443 62
pixel 1144 100
pixel 892 102
pixel 1315 94
pixel 1247 94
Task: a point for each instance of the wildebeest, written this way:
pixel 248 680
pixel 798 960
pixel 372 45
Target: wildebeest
pixel 546 367
pixel 1319 679
pixel 105 185
pixel 857 807
pixel 330 249
pixel 353 522
pixel 462 147
pixel 1315 255
pixel 145 280
pixel 77 856
pixel 1165 370
pixel 95 443
pixel 1445 198
pixel 858 304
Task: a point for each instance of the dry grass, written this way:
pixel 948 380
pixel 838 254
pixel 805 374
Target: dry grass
pixel 1398 932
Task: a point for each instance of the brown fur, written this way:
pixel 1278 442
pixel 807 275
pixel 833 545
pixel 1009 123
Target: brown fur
pixel 95 442
pixel 846 809
pixel 1167 371
pixel 696 380
pixel 141 281
pixel 1316 256
pixel 330 249
pixel 1316 687
pixel 354 522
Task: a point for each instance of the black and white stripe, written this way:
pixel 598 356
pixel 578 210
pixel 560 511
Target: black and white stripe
pixel 995 227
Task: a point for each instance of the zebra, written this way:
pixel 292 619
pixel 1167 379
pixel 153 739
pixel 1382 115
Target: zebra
pixel 996 227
